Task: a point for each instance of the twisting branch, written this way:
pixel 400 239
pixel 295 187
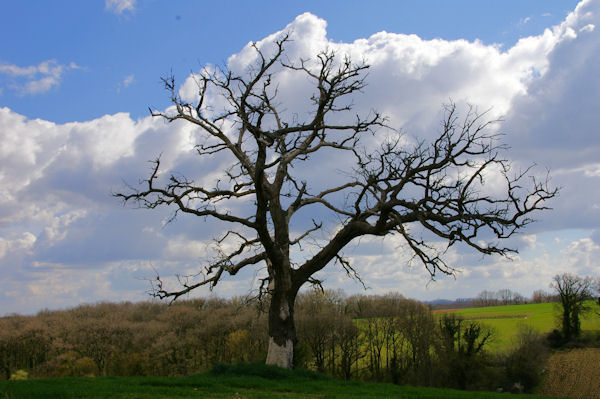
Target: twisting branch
pixel 438 189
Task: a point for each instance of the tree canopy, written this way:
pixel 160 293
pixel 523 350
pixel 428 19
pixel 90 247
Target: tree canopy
pixel 574 293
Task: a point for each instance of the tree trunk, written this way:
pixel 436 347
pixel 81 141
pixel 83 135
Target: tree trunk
pixel 282 330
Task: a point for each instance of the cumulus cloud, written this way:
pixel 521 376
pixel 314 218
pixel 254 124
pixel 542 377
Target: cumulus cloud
pixel 35 79
pixel 556 121
pixel 65 239
pixel 120 6
pixel 409 78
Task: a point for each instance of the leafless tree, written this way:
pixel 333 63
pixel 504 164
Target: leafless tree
pixel 541 296
pixel 486 298
pixel 417 191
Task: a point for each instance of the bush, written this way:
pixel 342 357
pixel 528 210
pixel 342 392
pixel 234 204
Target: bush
pixel 84 367
pixel 556 339
pixel 19 375
pixel 70 364
pixel 525 365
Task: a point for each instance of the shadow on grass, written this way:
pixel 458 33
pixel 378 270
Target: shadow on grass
pixel 263 371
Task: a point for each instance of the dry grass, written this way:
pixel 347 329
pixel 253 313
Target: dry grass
pixel 574 374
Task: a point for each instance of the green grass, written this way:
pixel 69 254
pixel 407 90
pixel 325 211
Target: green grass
pixel 242 381
pixel 505 320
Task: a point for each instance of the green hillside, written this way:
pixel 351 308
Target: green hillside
pixel 505 320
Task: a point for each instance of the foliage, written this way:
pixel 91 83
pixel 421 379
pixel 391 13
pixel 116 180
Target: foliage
pixel 460 349
pixel 526 363
pixel 376 338
pixel 19 375
pixel 574 293
pixel 131 339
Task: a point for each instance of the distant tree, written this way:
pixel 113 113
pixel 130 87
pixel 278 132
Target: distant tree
pixel 418 328
pixel 350 345
pixel 574 293
pixel 24 344
pixel 316 324
pixel 541 296
pixel 375 332
pixel 264 199
pixel 505 296
pixel 518 299
pixel 486 298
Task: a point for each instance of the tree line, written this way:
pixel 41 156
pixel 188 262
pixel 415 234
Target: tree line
pixel 374 338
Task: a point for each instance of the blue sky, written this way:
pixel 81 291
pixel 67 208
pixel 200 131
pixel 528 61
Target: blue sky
pixel 121 53
pixel 77 78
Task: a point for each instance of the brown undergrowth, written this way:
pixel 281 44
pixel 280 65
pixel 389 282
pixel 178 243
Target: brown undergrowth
pixel 574 374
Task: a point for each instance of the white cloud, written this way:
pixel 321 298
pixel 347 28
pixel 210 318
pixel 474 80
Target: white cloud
pixel 180 247
pixel 120 6
pixel 24 242
pixel 56 286
pixel 15 70
pixel 64 238
pixel 56 230
pixel 128 80
pixel 556 121
pixel 588 28
pixel 524 21
pixel 583 257
pixel 36 79
pixel 125 83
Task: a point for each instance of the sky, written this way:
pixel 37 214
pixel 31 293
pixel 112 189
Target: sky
pixel 77 79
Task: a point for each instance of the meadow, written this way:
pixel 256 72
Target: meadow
pixel 506 320
pixel 237 381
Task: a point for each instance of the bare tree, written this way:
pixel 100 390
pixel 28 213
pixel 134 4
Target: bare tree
pixel 486 298
pixel 574 293
pixel 506 296
pixel 410 191
pixel 541 296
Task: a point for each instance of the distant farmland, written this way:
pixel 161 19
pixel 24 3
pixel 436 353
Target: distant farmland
pixel 505 320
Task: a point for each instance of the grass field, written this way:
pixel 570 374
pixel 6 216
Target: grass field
pixel 505 320
pixel 241 381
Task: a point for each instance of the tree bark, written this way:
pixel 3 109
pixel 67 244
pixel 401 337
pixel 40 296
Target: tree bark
pixel 282 329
